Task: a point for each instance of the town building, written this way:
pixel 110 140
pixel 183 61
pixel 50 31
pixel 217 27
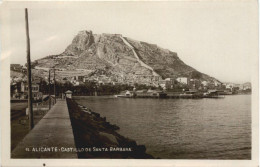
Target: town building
pixel 36 94
pixel 162 83
pixel 217 83
pixel 247 86
pixel 195 84
pixel 16 67
pixel 183 80
pixel 229 85
pixel 169 83
pixel 204 83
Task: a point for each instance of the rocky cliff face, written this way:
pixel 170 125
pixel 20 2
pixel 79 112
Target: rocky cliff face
pixel 122 58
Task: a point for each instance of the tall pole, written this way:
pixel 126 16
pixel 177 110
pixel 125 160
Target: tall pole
pixel 54 87
pixel 49 89
pixel 29 75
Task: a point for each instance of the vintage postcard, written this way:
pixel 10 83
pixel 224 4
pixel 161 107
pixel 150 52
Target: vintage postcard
pixel 129 83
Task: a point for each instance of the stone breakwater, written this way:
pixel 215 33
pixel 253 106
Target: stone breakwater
pixel 97 138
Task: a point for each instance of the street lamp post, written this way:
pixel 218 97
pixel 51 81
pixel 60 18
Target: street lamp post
pixel 54 87
pixel 29 75
pixel 49 89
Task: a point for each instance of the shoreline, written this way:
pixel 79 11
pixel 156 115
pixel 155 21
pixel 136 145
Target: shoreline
pixel 77 97
pixel 97 138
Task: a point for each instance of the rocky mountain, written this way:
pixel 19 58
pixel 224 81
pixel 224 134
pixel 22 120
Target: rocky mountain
pixel 121 58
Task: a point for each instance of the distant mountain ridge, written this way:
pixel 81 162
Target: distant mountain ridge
pixel 124 59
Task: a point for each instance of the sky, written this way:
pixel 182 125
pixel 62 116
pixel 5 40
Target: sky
pixel 218 38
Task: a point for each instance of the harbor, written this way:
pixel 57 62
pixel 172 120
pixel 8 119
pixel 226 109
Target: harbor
pixel 206 128
pixel 189 94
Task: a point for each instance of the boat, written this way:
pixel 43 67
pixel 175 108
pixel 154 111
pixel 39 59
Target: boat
pixel 127 94
pixel 191 94
pixel 122 96
pixel 213 94
pixel 225 93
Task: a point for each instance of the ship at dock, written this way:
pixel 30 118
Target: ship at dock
pixel 188 94
pixel 213 94
pixel 142 94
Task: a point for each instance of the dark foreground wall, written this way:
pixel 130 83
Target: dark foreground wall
pixel 51 137
pixel 96 138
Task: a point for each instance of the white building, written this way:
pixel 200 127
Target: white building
pixel 204 83
pixel 183 80
pixel 217 83
pixel 229 85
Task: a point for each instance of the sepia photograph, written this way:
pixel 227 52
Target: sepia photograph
pixel 142 80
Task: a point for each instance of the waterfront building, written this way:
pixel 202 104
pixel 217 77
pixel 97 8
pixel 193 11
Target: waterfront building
pixel 36 94
pixel 150 93
pixel 183 80
pixel 195 84
pixel 247 86
pixel 229 86
pixel 128 93
pixel 169 83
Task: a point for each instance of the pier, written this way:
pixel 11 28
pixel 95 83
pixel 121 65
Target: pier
pixel 50 137
pixel 72 131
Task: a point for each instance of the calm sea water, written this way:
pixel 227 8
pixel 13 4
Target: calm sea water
pixel 182 128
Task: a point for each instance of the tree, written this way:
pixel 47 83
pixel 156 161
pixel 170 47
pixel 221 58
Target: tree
pixel 33 64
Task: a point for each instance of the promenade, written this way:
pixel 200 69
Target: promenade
pixel 50 138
